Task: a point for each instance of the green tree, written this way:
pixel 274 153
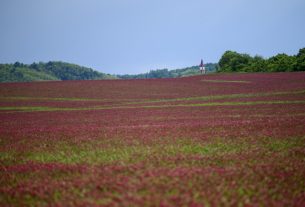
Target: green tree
pixel 300 60
pixel 17 64
pixel 34 66
pixel 281 63
pixel 233 61
pixel 258 64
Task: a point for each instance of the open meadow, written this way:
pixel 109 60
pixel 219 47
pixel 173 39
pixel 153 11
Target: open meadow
pixel 214 140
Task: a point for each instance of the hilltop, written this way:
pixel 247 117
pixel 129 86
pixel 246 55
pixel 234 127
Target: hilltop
pixel 52 70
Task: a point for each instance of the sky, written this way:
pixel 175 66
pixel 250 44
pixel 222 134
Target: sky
pixel 135 36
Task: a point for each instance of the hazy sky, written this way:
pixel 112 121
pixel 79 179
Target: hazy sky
pixel 133 36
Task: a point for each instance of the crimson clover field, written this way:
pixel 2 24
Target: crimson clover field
pixel 214 140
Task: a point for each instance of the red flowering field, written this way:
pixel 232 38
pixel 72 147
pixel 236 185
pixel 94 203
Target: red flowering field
pixel 214 140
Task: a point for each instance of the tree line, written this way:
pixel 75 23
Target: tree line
pixel 52 70
pixel 232 61
pixel 165 73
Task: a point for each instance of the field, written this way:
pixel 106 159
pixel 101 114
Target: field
pixel 215 140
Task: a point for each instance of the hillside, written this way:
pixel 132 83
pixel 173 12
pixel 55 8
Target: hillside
pixel 53 70
pixel 225 139
pixel 165 73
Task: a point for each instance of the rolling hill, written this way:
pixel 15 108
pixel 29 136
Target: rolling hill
pixel 52 70
pixel 57 70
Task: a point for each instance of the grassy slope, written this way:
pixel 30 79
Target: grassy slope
pixel 24 74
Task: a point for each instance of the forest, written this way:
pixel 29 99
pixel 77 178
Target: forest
pixel 232 61
pixel 52 70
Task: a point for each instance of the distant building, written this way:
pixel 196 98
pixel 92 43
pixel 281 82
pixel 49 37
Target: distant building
pixel 202 67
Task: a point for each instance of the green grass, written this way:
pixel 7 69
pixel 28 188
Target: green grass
pixel 241 103
pixel 89 153
pixel 50 99
pixel 42 108
pixel 218 97
pixel 213 148
pixel 27 108
pixel 226 81
pixel 128 105
pixel 79 155
pixel 207 98
pixel 275 145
